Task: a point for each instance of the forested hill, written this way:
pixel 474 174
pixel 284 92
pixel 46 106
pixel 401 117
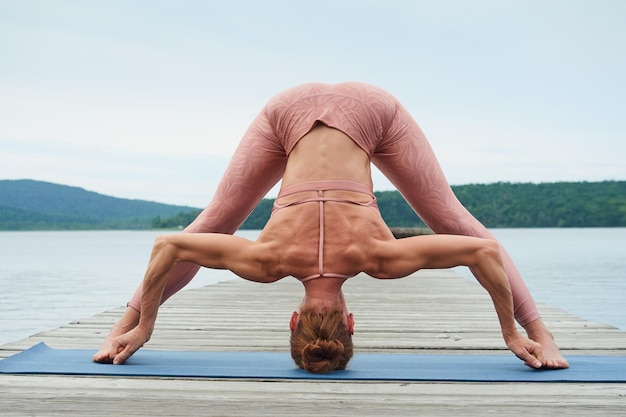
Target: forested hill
pixel 37 205
pixel 562 204
pixel 565 204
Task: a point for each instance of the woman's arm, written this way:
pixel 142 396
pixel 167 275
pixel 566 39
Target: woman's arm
pixel 217 251
pixel 402 257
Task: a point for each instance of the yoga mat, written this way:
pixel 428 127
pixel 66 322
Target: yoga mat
pixel 41 359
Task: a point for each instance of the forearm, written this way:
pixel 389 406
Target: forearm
pixel 150 301
pixel 162 262
pixel 490 273
pixel 181 275
pixel 502 298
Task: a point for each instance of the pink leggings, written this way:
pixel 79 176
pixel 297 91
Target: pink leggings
pixel 407 160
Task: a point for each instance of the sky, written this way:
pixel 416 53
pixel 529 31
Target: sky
pixel 147 99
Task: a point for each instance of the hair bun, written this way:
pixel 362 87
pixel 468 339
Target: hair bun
pixel 321 342
pixel 322 356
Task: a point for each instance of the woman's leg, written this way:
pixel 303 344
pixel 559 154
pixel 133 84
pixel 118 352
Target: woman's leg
pixel 407 159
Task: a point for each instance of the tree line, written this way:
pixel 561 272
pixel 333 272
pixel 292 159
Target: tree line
pixel 496 205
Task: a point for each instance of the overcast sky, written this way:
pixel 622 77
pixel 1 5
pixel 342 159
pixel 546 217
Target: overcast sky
pixel 148 99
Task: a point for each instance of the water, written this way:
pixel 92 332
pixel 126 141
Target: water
pixel 582 271
pixel 48 279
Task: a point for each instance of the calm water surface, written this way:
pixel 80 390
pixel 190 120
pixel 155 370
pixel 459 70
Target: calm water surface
pixel 48 279
pixel 582 271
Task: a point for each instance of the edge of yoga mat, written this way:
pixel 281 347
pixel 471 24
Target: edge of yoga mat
pixel 43 360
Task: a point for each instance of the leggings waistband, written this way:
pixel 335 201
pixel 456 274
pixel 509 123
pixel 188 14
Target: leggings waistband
pixel 327 185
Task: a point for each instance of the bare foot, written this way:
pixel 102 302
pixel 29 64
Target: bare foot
pixel 549 354
pixel 128 322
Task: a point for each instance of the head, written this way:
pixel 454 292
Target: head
pixel 321 340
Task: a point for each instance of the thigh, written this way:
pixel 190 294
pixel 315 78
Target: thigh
pixel 256 166
pixel 409 162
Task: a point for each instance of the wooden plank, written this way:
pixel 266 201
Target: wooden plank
pixel 53 396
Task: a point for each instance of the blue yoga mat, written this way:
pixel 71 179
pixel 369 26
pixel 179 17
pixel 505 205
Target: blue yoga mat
pixel 41 359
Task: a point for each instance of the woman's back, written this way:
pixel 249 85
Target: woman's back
pixel 327 154
pixel 344 221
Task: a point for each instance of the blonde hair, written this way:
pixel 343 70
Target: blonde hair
pixel 321 342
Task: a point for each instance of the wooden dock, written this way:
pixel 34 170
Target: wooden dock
pixel 432 312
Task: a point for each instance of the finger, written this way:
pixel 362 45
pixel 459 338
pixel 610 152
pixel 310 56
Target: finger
pixel 102 357
pixel 533 346
pixel 528 358
pixel 97 357
pixel 121 357
pixel 532 365
pixel 116 347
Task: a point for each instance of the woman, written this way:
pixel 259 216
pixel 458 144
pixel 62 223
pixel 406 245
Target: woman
pixel 321 139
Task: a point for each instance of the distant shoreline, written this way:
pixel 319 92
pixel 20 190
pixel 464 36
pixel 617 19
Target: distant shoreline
pixel 36 205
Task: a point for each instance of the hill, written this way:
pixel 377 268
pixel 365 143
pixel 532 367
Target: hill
pixel 38 205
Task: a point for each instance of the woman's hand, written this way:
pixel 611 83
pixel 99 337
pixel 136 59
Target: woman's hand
pixel 124 346
pixel 525 349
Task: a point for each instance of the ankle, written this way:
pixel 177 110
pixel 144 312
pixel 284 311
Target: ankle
pixel 537 330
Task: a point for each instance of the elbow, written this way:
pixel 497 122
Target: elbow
pixel 161 242
pixel 492 249
pixel 164 247
pixel 488 267
pixel 489 252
